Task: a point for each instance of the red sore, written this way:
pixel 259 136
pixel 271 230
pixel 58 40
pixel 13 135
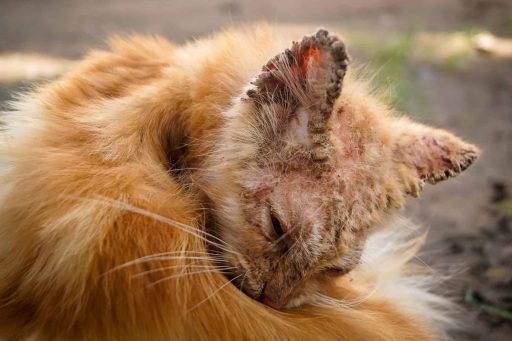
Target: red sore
pixel 304 61
pixel 301 62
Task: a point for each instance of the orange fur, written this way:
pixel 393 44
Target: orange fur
pixel 98 133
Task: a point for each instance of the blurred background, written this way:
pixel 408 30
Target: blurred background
pixel 444 62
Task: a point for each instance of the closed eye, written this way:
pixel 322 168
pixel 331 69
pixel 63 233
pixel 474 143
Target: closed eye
pixel 276 224
pixel 334 271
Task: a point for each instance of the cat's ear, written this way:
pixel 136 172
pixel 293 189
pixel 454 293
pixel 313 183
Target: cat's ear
pixel 430 154
pixel 310 74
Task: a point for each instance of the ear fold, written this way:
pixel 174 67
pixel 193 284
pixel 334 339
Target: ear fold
pixel 431 154
pixel 310 73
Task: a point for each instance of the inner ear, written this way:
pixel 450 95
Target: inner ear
pixel 430 154
pixel 310 74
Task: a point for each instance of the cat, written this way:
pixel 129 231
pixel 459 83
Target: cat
pixel 237 187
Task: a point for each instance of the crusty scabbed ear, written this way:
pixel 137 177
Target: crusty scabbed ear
pixel 431 154
pixel 310 73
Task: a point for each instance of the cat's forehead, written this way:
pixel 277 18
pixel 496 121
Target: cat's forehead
pixel 304 197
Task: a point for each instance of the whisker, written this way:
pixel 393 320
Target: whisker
pixel 184 252
pixel 140 274
pixel 187 168
pixel 213 293
pixel 344 303
pixel 151 258
pixel 186 228
pixel 243 279
pixel 169 221
pixel 181 275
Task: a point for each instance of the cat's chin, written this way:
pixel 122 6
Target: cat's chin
pixel 300 299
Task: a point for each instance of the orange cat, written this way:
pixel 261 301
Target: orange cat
pixel 237 187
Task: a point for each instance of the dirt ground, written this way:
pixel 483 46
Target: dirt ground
pixel 469 93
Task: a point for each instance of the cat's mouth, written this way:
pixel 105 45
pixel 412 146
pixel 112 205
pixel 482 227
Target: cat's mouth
pixel 259 291
pixel 263 297
pixel 281 297
pixel 242 279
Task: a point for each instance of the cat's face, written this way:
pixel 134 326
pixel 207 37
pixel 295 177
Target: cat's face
pixel 305 171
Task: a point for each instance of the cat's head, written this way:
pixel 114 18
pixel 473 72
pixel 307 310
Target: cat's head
pixel 308 164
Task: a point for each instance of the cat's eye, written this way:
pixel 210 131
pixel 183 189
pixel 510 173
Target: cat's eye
pixel 335 271
pixel 276 223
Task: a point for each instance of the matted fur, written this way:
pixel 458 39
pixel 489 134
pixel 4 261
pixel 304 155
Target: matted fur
pixel 91 220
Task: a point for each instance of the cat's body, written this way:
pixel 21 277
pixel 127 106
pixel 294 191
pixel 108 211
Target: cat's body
pixel 121 159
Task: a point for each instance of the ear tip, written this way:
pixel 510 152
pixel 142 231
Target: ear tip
pixel 467 155
pixel 325 38
pixel 470 151
pixel 311 71
pixel 321 33
pixel 470 154
pixel 461 149
pixel 477 151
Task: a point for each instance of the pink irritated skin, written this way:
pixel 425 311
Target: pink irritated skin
pixel 348 145
pixel 440 161
pixel 295 210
